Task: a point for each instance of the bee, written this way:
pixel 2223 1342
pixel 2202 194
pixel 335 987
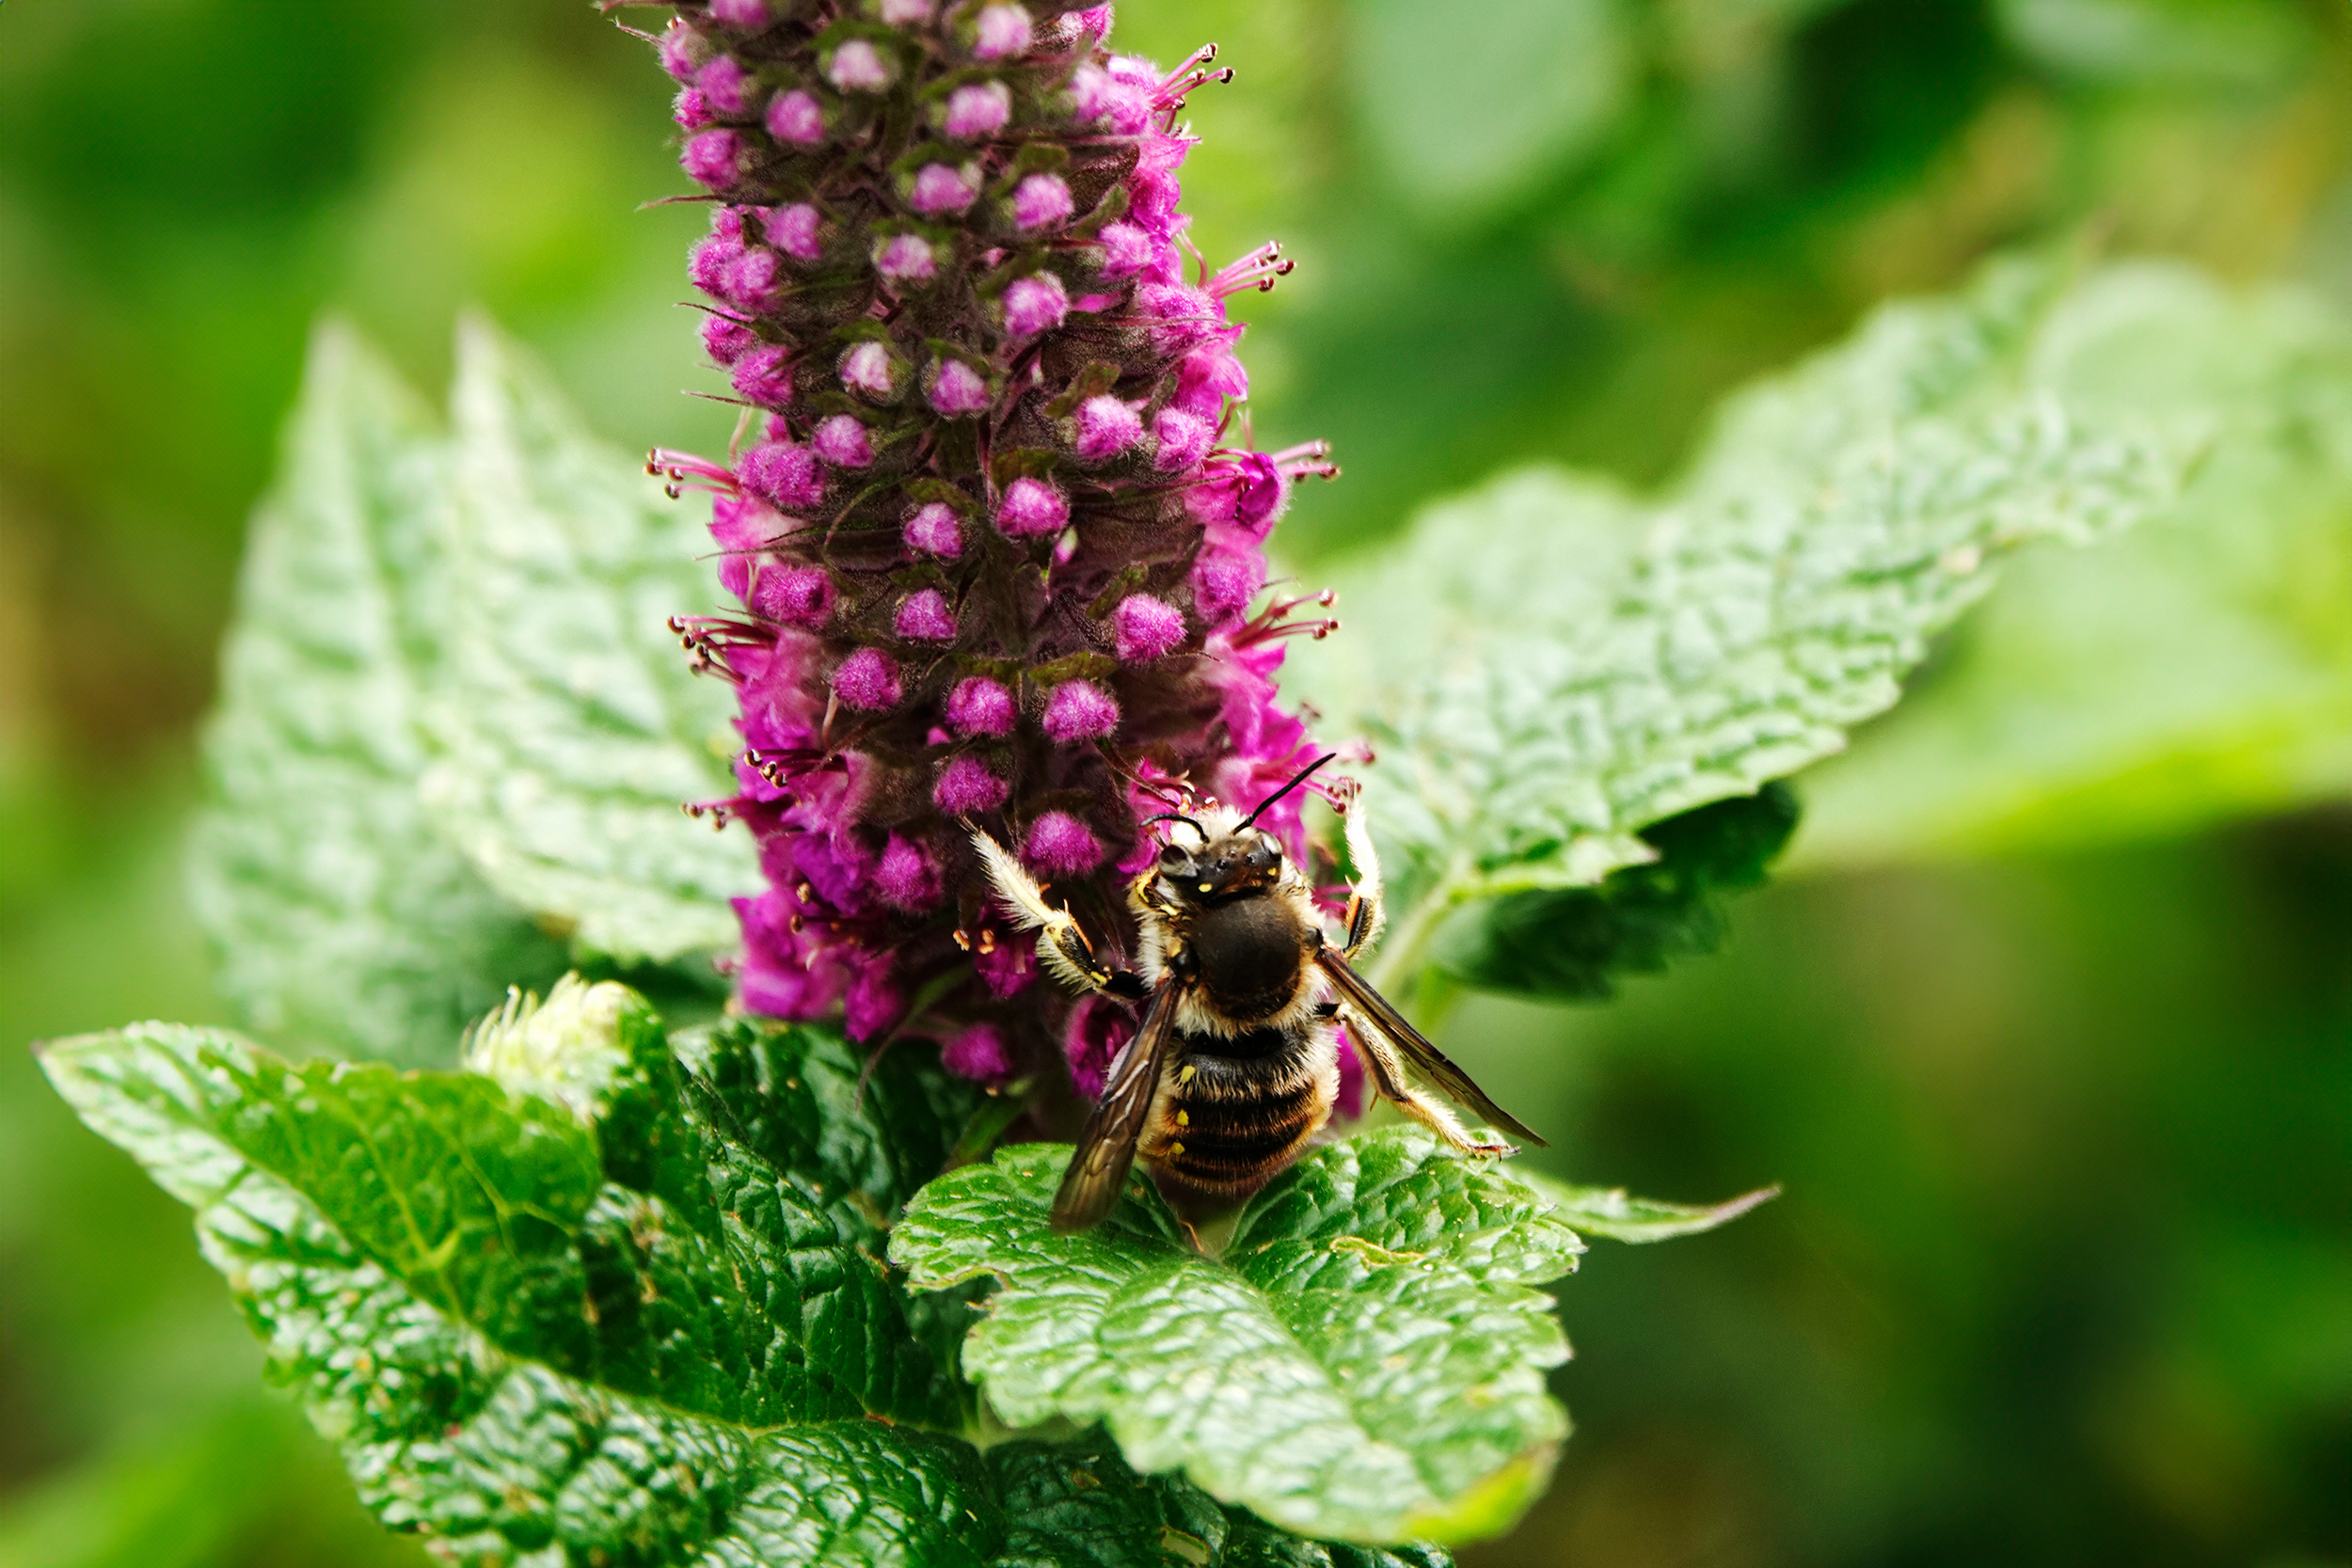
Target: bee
pixel 1233 1068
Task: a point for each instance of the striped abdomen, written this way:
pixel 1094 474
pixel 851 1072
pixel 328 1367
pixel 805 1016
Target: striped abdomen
pixel 1233 1113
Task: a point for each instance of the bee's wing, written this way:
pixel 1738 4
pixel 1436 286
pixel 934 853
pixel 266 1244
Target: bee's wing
pixel 1107 1148
pixel 1426 1059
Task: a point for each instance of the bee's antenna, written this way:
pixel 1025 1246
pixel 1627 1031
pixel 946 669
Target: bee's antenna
pixel 1297 779
pixel 1174 816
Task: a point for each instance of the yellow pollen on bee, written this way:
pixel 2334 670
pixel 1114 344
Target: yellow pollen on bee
pixel 1185 1076
pixel 1183 1118
pixel 1175 1151
pixel 1208 887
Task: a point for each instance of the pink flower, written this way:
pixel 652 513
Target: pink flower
pixel 905 259
pixel 841 440
pixel 764 374
pixel 1031 507
pixel 781 474
pixel 1002 31
pixel 979 706
pixel 1041 201
pixel 796 596
pixel 924 617
pixel 1080 710
pixel 796 120
pixel 939 190
pixel 1145 627
pixel 1106 427
pixel 966 786
pixel 957 391
pixel 980 1053
pixel 979 109
pixel 933 530
pixel 713 158
pixel 867 679
pixel 867 370
pixel 857 66
pixel 1034 304
pixel 742 13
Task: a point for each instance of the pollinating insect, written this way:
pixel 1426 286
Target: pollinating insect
pixel 1234 1066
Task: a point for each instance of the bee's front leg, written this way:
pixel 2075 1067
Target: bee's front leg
pixel 1367 916
pixel 1060 945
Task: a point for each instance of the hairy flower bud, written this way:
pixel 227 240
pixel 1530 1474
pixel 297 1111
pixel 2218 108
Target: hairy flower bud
pixel 994 528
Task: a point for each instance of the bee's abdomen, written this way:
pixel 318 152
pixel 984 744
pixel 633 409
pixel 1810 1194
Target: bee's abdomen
pixel 1235 1121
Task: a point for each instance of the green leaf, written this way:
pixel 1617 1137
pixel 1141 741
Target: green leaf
pixel 1589 666
pixel 1609 1211
pixel 1363 1362
pixel 573 729
pixel 2201 668
pixel 1572 943
pixel 341 916
pixel 1469 109
pixel 602 1321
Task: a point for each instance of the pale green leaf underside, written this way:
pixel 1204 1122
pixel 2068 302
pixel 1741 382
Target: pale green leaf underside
pixel 452 719
pixel 2199 668
pixel 1364 1361
pixel 573 729
pixel 1612 1212
pixel 341 914
pixel 1556 667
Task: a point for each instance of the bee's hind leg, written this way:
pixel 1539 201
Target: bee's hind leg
pixel 1060 945
pixel 1389 1077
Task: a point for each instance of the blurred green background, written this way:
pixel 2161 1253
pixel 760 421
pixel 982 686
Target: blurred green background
pixel 2064 1272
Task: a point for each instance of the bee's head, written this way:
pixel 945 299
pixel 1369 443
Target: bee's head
pixel 1208 862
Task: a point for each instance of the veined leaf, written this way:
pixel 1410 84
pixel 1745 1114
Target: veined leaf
pixel 1364 1361
pixel 646 1321
pixel 1534 725
pixel 343 917
pixel 572 730
pixel 2202 667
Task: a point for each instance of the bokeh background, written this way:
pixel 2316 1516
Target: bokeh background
pixel 2064 1269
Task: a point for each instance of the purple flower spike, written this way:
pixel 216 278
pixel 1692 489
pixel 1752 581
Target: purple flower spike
pixel 764 375
pixel 725 87
pixel 1106 427
pixel 724 339
pixel 1041 201
pixel 712 159
pixel 867 680
pixel 857 66
pixel 1032 508
pixel 1145 627
pixel 1080 710
pixel 934 531
pixel 841 441
pixel 868 370
pixel 924 617
pixel 966 787
pixel 978 110
pixel 905 259
pixel 1003 31
pixel 1035 305
pixel 881 622
pixel 957 391
pixel 939 190
pixel 796 596
pixel 796 120
pixel 907 876
pixel 979 1053
pixel 979 706
pixel 1060 845
pixel 782 474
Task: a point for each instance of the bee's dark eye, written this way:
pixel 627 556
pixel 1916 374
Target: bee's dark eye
pixel 1172 858
pixel 1264 854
